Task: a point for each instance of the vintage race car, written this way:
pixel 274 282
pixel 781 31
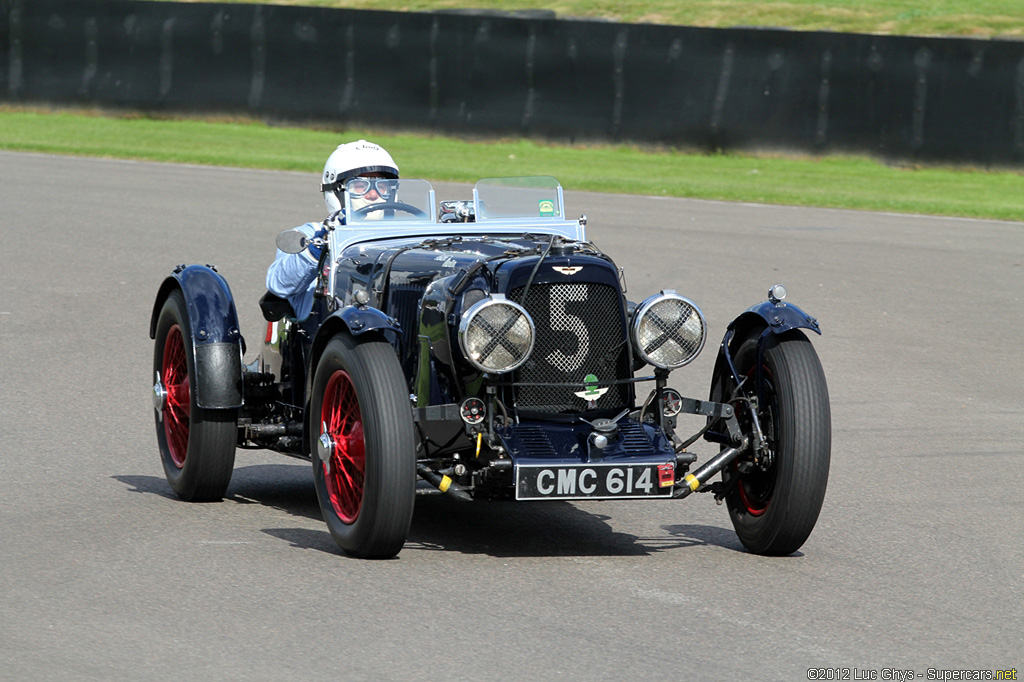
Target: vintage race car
pixel 484 349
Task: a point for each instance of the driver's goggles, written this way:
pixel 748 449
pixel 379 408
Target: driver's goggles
pixel 358 187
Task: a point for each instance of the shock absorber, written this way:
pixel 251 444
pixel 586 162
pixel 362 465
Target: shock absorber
pixel 443 483
pixel 692 482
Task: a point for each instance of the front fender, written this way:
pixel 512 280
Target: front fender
pixel 362 319
pixel 763 319
pixel 217 343
pixel 354 320
pixel 779 317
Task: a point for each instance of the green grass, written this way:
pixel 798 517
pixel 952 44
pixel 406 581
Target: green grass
pixel 976 18
pixel 839 182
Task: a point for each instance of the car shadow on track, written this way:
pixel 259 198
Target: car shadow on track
pixel 286 487
pixel 153 485
pixel 543 529
pixel 440 524
pixel 507 529
pixel 510 529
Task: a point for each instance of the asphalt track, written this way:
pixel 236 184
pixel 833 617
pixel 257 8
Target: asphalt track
pixel 917 561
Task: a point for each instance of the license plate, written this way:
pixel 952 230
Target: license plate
pixel 593 481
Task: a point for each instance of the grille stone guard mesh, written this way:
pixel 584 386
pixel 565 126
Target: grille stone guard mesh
pixel 579 333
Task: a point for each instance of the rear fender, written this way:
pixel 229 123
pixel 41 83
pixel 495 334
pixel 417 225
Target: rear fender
pixel 217 343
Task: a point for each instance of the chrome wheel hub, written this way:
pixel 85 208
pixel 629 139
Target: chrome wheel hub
pixel 325 447
pixel 159 398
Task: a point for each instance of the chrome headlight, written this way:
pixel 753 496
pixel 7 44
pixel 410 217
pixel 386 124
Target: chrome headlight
pixel 668 330
pixel 496 335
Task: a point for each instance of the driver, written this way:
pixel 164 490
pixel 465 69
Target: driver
pixel 292 276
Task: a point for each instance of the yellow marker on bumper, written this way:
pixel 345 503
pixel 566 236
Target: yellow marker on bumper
pixel 445 482
pixel 479 439
pixel 692 481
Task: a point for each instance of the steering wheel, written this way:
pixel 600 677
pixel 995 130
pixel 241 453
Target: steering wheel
pixel 389 205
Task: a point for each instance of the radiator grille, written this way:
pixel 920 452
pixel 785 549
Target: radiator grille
pixel 579 332
pixel 403 305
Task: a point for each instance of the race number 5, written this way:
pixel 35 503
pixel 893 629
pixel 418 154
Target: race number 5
pixel 564 321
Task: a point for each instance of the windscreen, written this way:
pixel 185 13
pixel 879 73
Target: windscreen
pixel 527 197
pixel 373 200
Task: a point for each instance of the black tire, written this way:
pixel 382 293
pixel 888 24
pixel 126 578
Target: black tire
pixel 774 508
pixel 197 446
pixel 367 494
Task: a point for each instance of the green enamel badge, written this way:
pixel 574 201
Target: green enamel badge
pixel 592 391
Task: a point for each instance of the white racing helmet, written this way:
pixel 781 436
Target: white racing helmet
pixel 351 160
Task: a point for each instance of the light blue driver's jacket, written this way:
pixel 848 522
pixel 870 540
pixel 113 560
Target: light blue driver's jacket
pixel 292 276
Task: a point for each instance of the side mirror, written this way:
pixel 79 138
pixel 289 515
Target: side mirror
pixel 291 241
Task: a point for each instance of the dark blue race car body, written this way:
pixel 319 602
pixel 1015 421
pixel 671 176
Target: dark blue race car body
pixel 489 352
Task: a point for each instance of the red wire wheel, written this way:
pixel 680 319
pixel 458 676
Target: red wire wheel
pixel 756 504
pixel 346 475
pixel 197 445
pixel 177 406
pixel 363 445
pixel 774 508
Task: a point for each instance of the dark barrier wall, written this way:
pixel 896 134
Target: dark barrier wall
pixel 897 97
